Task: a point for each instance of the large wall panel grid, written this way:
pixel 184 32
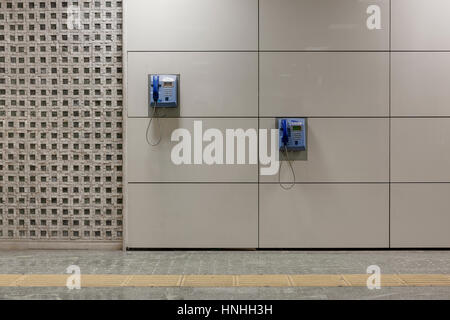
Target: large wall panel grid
pixel 365 90
pixel 61 120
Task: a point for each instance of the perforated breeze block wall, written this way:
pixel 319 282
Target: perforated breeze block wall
pixel 60 120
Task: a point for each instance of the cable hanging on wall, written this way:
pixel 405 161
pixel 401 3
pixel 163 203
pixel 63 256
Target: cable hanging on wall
pixel 155 117
pixel 292 184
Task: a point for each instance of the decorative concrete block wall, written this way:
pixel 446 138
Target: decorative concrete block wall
pixel 61 143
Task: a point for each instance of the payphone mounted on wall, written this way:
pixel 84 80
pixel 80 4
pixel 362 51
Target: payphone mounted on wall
pixel 292 137
pixel 163 90
pixel 292 134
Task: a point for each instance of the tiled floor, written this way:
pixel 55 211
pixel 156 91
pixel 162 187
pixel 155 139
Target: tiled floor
pixel 431 270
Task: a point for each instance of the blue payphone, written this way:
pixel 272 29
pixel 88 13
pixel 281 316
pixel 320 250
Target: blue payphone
pixel 292 134
pixel 163 90
pixel 292 137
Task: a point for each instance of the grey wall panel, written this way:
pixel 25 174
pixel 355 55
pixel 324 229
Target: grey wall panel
pixel 321 25
pixel 420 150
pixel 324 84
pixel 153 164
pixel 420 83
pixel 324 216
pixel 420 215
pixel 202 216
pixel 166 25
pixel 211 83
pixel 420 25
pixel 339 150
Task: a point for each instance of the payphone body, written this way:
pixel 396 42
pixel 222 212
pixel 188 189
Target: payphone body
pixel 164 89
pixel 292 134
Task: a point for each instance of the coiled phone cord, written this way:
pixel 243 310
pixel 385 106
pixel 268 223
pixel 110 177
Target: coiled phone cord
pixel 292 184
pixel 153 144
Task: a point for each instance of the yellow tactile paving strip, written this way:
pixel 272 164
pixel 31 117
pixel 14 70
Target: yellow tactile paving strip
pixel 244 280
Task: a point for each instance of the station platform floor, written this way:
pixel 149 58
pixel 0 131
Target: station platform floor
pixel 224 274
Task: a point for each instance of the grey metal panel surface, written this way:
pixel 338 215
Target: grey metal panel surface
pixel 420 215
pixel 200 25
pixel 324 84
pixel 420 83
pixel 339 150
pixel 324 216
pixel 193 216
pixel 420 150
pixel 321 25
pixel 154 163
pixel 420 25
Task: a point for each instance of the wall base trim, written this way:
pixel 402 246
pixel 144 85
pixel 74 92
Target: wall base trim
pixel 59 245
